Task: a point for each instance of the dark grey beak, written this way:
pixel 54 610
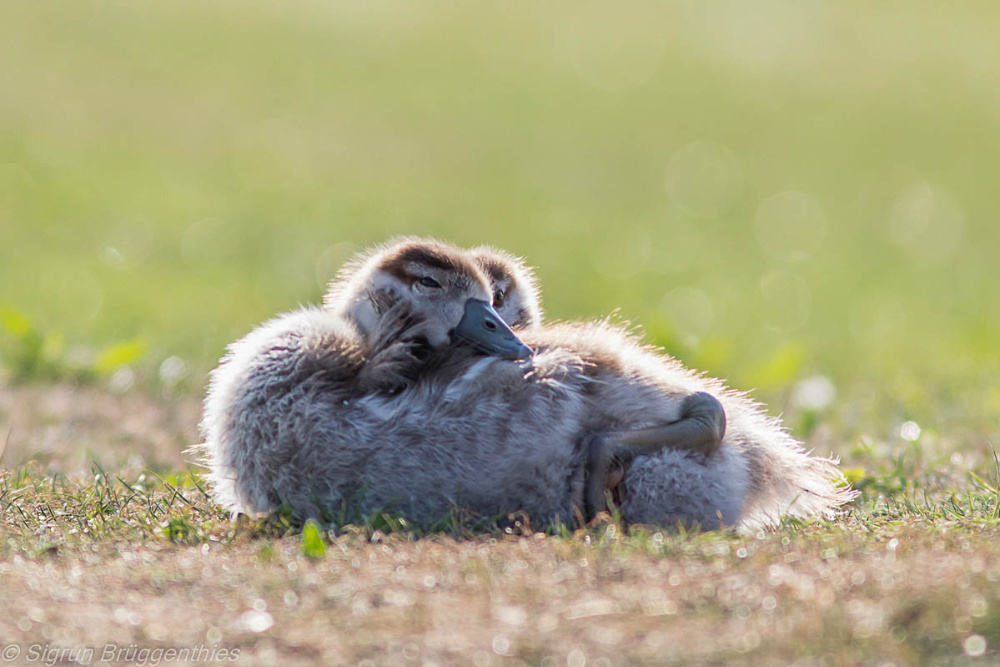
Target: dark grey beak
pixel 484 328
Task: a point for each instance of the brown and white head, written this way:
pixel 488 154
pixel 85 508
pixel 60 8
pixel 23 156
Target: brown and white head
pixel 441 289
pixel 515 291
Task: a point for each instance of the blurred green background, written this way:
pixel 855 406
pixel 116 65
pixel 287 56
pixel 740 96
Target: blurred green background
pixel 799 197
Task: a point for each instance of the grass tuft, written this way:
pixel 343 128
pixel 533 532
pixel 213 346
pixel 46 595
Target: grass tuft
pixel 313 541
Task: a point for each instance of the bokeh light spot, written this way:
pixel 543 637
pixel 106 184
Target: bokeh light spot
pixel 927 223
pixel 690 311
pixel 974 645
pixel 131 244
pixel 256 621
pixel 173 370
pixel 768 35
pixel 122 380
pixel 814 393
pixel 112 257
pixel 910 431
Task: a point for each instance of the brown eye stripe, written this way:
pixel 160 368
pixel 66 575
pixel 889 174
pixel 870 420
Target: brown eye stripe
pixel 428 257
pixel 401 265
pixel 495 271
pixel 498 275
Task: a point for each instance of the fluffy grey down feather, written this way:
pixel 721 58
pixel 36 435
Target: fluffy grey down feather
pixel 282 425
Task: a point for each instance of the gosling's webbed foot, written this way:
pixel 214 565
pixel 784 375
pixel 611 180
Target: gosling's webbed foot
pixel 701 428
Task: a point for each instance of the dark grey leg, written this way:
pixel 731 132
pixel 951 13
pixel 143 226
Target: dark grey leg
pixel 701 428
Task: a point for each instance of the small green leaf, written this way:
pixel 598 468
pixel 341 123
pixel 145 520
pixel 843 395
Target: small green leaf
pixel 782 368
pixel 120 355
pixel 177 530
pixel 854 475
pixel 313 544
pixel 983 484
pixel 15 323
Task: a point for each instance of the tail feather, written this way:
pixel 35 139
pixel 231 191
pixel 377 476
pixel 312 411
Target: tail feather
pixel 787 481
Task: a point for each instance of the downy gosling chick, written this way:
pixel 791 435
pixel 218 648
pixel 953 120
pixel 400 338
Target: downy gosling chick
pixel 484 433
pixel 751 476
pixel 280 403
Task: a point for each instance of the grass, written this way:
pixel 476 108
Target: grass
pixel 800 199
pixel 129 557
pixel 906 578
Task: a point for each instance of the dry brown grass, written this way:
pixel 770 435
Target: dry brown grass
pixel 66 427
pixel 147 562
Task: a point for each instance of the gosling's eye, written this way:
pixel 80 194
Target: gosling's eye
pixel 427 281
pixel 498 297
